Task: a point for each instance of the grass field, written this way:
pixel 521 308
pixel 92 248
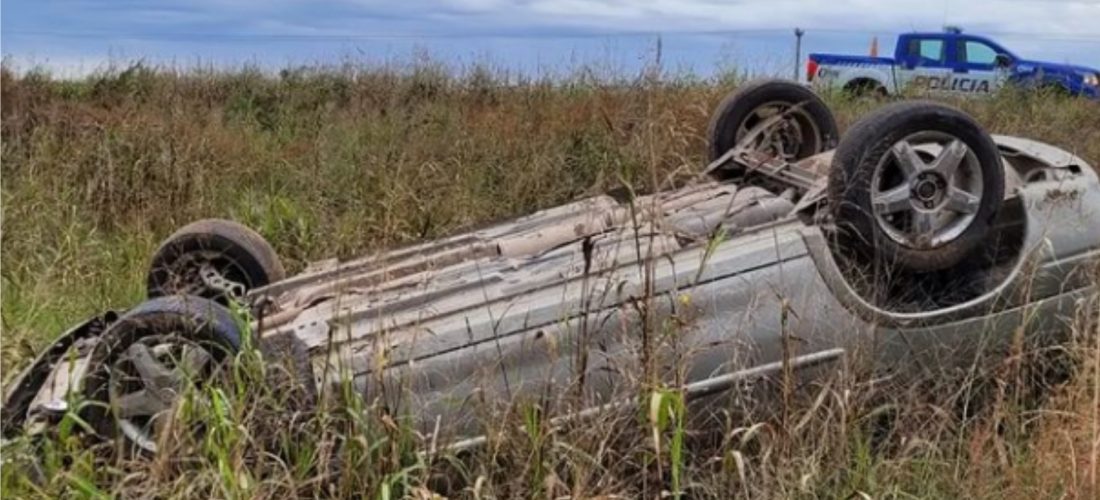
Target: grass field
pixel 338 161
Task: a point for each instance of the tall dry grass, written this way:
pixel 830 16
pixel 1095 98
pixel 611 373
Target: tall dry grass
pixel 337 161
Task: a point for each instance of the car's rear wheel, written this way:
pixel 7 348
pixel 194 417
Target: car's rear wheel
pixel 916 184
pixel 779 118
pixel 215 259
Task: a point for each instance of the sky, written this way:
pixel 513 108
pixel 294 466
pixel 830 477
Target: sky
pixel 525 36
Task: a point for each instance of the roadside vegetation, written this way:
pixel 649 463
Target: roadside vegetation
pixel 340 161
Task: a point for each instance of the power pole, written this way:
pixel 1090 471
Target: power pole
pixel 797 51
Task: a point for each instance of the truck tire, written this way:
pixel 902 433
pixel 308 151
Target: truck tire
pixel 808 131
pixel 916 184
pixel 234 252
pixel 866 88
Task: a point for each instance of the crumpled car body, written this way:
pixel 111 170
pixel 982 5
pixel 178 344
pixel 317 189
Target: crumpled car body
pixel 568 299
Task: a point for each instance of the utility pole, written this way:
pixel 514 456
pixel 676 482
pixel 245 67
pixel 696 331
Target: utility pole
pixel 798 51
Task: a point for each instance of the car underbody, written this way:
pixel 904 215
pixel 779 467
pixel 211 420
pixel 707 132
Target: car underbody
pixel 567 300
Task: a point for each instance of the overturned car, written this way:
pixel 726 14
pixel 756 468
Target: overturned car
pixel 915 237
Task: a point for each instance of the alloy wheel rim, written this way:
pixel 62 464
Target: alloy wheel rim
pixel 926 190
pixel 148 379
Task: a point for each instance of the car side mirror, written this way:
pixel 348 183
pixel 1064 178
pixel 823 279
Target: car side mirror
pixel 1002 61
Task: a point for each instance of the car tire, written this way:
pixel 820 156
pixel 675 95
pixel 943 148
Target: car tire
pixel 235 252
pixel 186 321
pixel 928 212
pixel 201 330
pixel 814 127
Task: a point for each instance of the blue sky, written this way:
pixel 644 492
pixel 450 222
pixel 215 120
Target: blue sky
pixel 77 36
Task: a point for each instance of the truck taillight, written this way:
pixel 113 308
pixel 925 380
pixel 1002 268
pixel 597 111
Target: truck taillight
pixel 811 69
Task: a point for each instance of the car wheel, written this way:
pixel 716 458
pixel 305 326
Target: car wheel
pixel 915 184
pixel 148 358
pixel 213 258
pixel 805 126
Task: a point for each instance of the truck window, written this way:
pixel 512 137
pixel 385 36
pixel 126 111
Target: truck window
pixel 927 51
pixel 977 53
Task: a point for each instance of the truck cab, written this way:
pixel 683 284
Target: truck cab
pixel 952 62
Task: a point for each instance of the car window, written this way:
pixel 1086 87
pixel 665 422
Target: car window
pixel 977 53
pixel 928 50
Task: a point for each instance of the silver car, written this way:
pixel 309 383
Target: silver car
pixel 914 238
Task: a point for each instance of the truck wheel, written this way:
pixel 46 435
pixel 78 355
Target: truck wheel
pixel 809 127
pixel 866 89
pixel 1056 90
pixel 147 358
pixel 215 259
pixel 915 184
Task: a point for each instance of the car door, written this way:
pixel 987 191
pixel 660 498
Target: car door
pixel 977 70
pixel 924 65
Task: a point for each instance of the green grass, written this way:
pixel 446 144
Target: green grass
pixel 339 161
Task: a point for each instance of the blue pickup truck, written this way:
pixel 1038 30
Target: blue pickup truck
pixel 948 62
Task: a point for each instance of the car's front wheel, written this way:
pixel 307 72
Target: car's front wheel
pixel 148 358
pixel 916 184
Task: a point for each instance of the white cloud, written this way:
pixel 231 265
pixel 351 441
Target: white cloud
pixel 477 5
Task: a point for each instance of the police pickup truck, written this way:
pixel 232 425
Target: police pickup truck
pixel 948 62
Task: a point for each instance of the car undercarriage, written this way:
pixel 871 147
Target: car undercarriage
pixel 916 233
